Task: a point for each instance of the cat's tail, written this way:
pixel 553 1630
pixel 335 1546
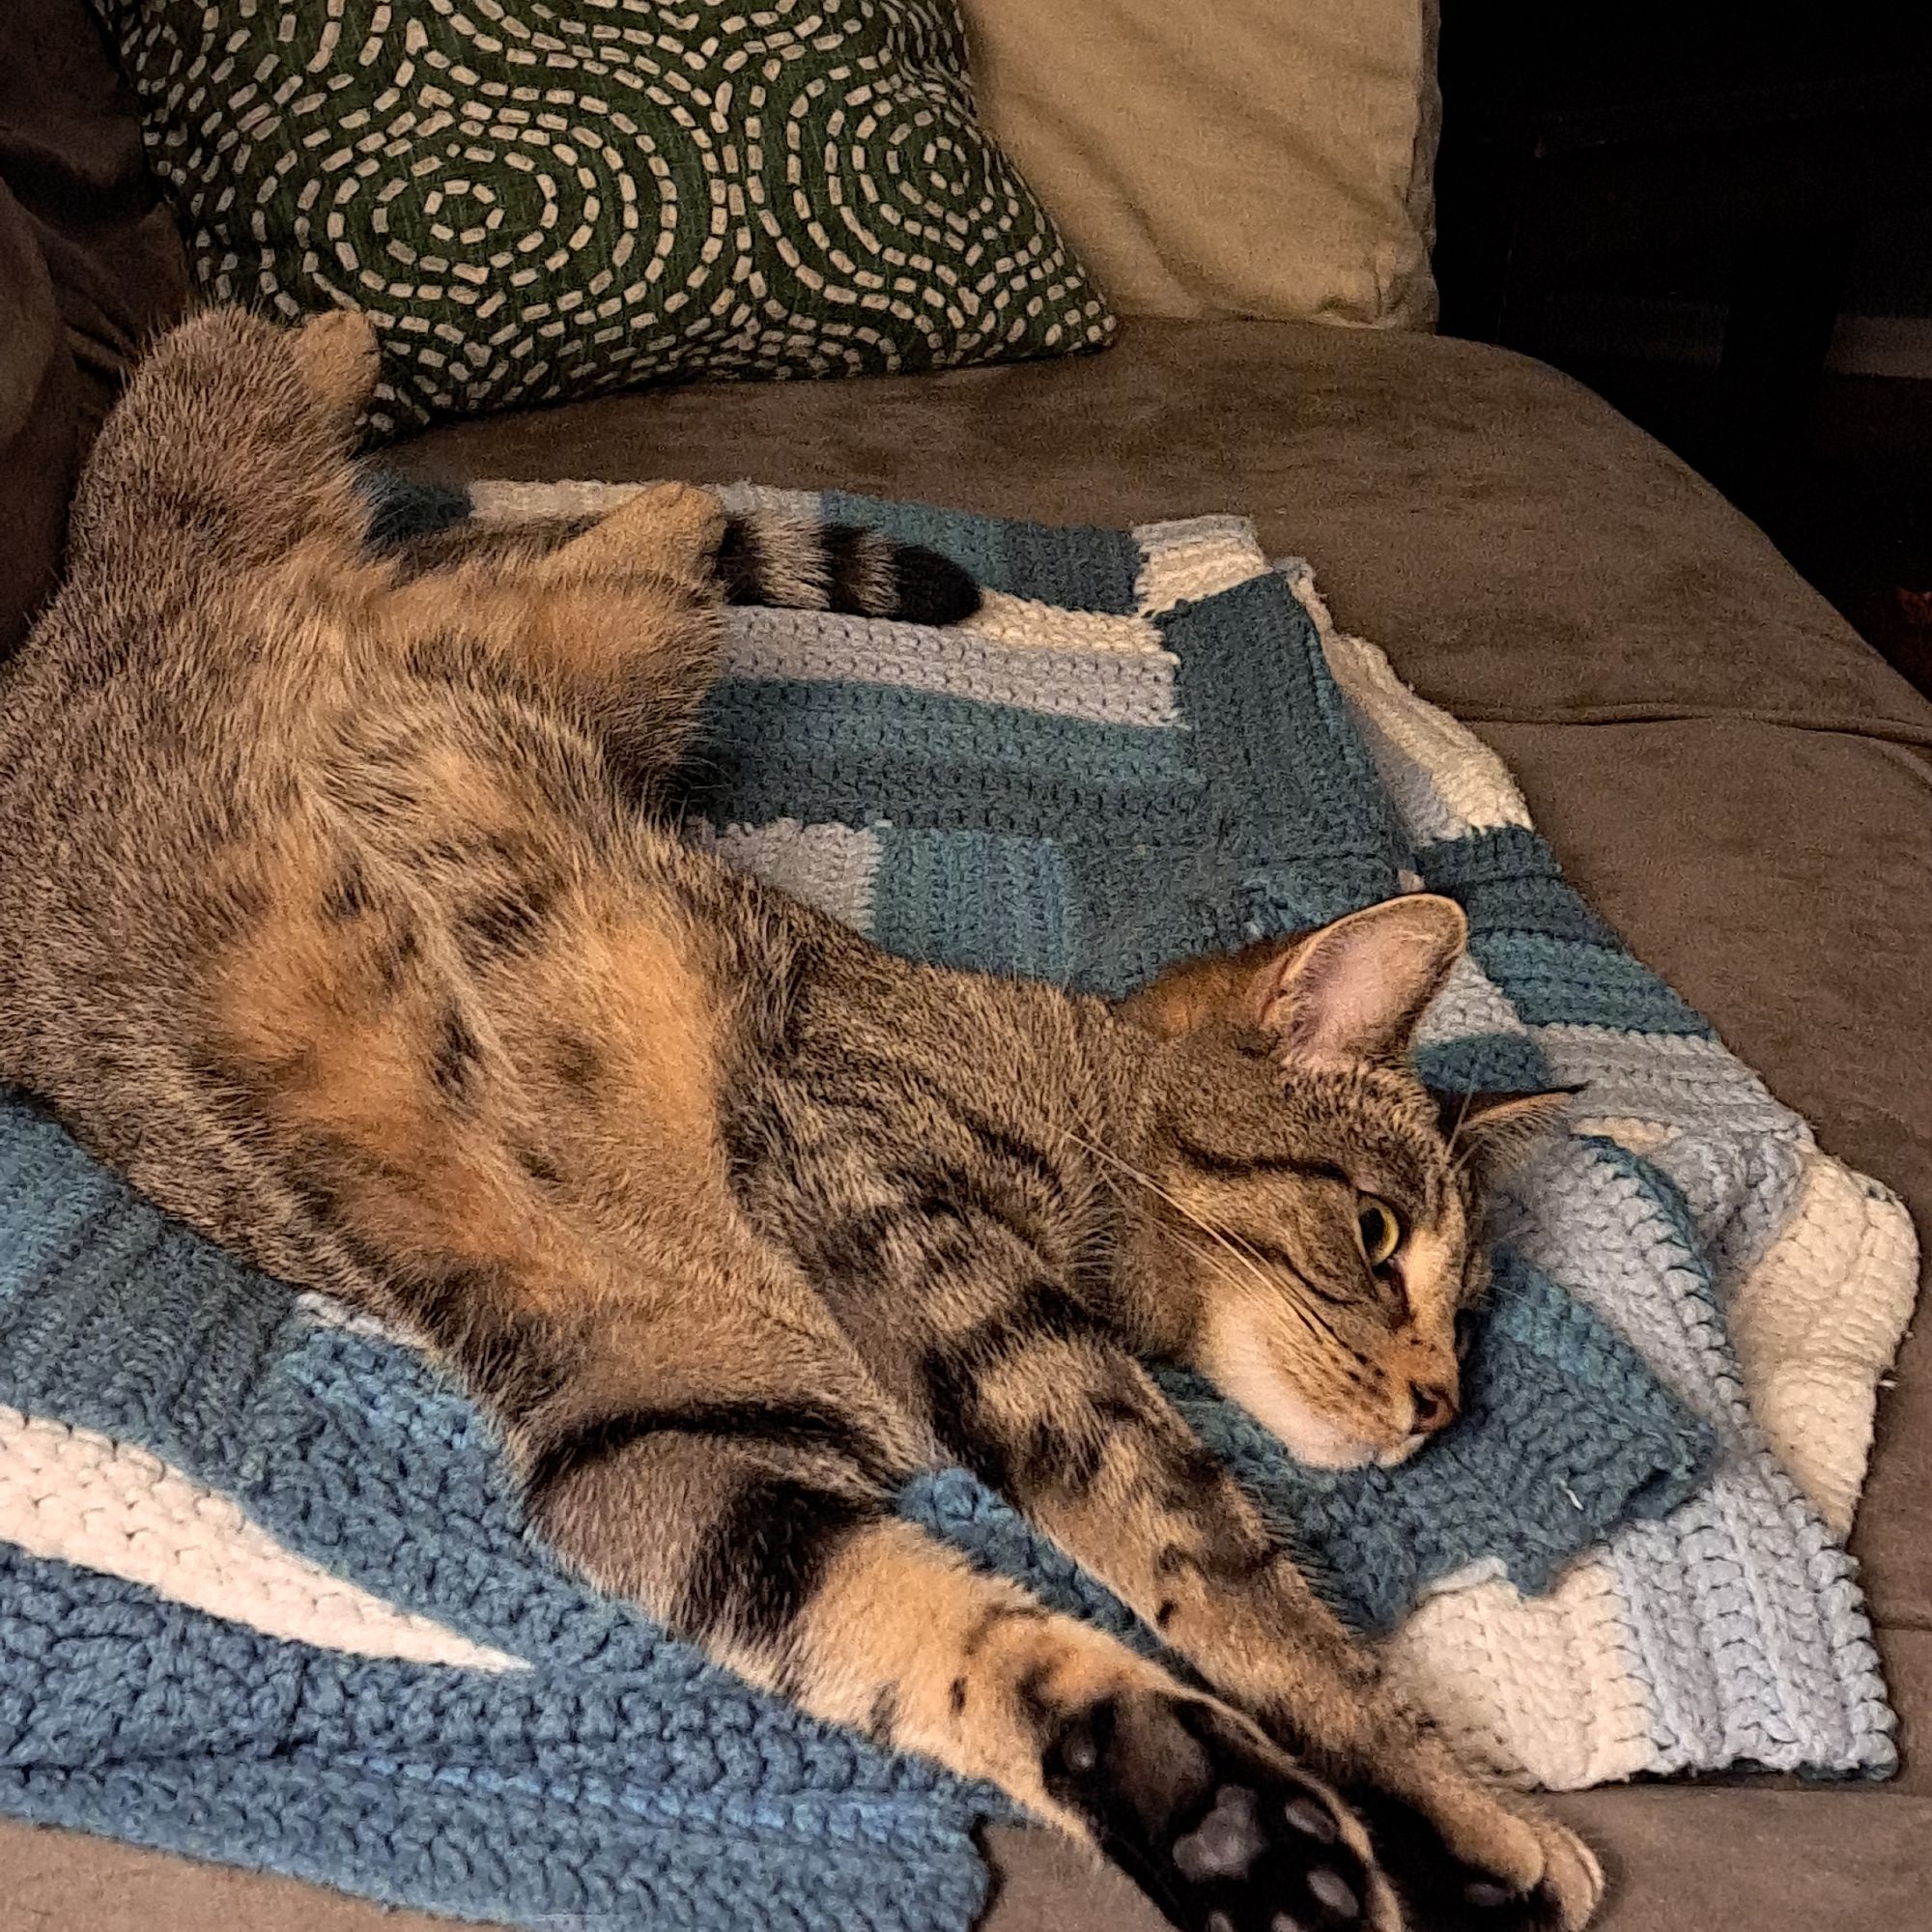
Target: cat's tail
pixel 800 564
pixel 767 557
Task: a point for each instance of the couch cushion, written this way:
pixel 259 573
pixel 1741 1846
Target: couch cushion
pixel 39 425
pixel 71 151
pixel 1521 550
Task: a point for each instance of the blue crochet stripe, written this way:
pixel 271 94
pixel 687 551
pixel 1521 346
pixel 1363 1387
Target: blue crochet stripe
pixel 572 1793
pixel 832 752
pixel 1250 660
pixel 1308 827
pixel 1079 569
pixel 1169 840
pixel 1485 1062
pixel 1014 902
pixel 1762 1641
pixel 1555 959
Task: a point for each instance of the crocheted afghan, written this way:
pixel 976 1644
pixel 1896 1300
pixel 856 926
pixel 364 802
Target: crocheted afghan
pixel 265 1595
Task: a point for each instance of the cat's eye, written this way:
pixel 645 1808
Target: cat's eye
pixel 1381 1231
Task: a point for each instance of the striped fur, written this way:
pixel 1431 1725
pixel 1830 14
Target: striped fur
pixel 334 922
pixel 766 558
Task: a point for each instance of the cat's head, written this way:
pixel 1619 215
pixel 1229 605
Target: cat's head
pixel 1312 1216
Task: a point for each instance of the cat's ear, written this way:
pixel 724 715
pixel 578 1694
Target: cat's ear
pixel 1355 990
pixel 1491 1133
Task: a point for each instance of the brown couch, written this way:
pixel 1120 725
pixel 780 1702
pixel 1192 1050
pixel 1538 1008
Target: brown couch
pixel 1736 780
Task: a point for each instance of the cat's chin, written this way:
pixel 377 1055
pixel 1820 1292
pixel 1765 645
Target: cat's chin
pixel 1240 1368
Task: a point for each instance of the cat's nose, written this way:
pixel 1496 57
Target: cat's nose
pixel 1435 1408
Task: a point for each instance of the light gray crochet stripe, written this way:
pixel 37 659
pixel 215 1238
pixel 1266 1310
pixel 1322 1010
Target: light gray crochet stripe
pixel 1753 1640
pixel 1587 1224
pixel 1102 687
pixel 1471 1004
pixel 1741 1190
pixel 1734 1153
pixel 745 500
pixel 1673 1078
pixel 1748 1620
pixel 831 865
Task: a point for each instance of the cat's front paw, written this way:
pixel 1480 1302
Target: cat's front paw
pixel 1219 1830
pixel 1512 1871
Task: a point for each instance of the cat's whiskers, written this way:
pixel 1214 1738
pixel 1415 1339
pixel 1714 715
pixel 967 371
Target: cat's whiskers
pixel 1155 1187
pixel 1249 1263
pixel 1314 1320
pixel 1459 1162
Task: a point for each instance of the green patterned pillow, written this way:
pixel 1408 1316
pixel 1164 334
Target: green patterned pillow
pixel 544 198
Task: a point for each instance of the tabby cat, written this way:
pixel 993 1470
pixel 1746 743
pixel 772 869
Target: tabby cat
pixel 334 918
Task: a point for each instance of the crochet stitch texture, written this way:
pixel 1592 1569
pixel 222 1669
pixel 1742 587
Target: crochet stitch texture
pixel 265 1595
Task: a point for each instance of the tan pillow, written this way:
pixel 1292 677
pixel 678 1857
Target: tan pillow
pixel 1267 157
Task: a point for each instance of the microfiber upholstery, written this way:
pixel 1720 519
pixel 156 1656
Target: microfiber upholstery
pixel 1723 766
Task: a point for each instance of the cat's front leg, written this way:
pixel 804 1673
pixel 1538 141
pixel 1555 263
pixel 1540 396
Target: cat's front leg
pixel 1078 1434
pixel 761 1529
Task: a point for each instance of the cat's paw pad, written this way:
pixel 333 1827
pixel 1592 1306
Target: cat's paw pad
pixel 1217 1829
pixel 339 356
pixel 1540 1876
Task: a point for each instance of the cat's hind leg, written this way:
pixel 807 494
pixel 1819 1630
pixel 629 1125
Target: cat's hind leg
pixel 230 452
pixel 619 625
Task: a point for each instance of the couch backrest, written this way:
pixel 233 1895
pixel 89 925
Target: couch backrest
pixel 1261 158
pixel 91 265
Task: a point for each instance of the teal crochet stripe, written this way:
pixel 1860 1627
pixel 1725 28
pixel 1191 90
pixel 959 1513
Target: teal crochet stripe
pixel 832 753
pixel 1314 833
pixel 1535 937
pixel 1076 569
pixel 580 1792
pixel 946 894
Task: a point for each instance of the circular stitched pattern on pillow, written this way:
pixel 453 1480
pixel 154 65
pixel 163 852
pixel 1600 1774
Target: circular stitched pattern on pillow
pixel 535 201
